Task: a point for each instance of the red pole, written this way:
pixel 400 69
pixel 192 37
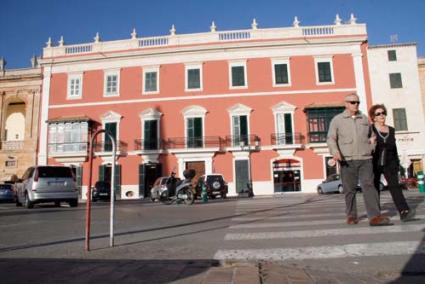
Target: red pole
pixel 88 194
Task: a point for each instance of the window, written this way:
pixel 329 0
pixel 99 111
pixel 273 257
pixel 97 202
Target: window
pixel 318 120
pixel 281 72
pixel 68 137
pixel 75 86
pixel 395 81
pixel 150 81
pixel 193 77
pixel 324 71
pixel 112 84
pixel 150 141
pixel 284 129
pixel 240 130
pixel 194 132
pixel 400 121
pixel 392 55
pixel 238 75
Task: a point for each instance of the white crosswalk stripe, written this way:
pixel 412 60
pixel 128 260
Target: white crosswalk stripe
pixel 273 228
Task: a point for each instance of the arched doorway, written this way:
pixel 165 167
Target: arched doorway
pixel 287 175
pixel 14 126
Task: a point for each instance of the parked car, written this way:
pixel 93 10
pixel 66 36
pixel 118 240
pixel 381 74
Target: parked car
pixel 42 184
pixel 7 193
pixel 159 186
pixel 101 191
pixel 333 183
pixel 215 185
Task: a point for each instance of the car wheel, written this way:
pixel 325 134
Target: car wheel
pixel 73 203
pixel 224 196
pixel 319 190
pixel 27 202
pixel 340 189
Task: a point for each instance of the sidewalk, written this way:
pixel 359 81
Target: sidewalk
pixel 177 271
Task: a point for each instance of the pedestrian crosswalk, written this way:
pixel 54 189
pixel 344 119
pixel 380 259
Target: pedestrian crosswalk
pixel 313 227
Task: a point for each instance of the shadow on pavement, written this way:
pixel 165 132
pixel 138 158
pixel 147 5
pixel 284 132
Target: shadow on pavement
pixel 27 270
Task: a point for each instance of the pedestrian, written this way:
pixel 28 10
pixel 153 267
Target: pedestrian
pixel 386 161
pixel 349 144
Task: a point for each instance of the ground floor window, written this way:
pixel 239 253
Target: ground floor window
pixel 286 175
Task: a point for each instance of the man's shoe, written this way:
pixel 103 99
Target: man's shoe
pixel 380 221
pixel 351 220
pixel 408 215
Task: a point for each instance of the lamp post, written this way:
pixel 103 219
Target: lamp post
pixel 248 148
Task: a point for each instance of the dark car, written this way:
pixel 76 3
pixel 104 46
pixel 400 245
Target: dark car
pixel 215 185
pixel 7 194
pixel 101 191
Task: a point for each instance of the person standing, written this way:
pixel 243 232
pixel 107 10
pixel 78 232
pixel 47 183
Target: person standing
pixel 349 144
pixel 386 161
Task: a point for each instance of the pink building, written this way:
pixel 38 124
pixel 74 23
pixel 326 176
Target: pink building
pixel 244 103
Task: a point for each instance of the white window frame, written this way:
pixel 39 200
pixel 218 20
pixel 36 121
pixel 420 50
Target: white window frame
pixel 238 64
pixel 105 79
pixel 318 60
pixel 239 110
pixel 281 61
pixel 190 67
pixel 284 108
pixel 150 70
pixel 71 77
pixel 194 111
pixel 111 117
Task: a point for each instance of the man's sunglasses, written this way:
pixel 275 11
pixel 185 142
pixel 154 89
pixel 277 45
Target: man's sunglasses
pixel 380 113
pixel 354 102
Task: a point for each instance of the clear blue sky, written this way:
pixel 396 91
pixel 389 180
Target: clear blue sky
pixel 25 25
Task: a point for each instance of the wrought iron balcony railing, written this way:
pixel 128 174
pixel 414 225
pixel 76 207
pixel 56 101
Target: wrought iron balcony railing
pixel 242 140
pixel 195 142
pixel 106 146
pixel 148 144
pixel 287 138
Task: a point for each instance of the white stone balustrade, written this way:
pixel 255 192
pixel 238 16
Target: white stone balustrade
pixel 298 32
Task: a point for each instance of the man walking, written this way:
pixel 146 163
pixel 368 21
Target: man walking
pixel 349 144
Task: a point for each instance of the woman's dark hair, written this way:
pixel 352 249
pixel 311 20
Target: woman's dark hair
pixel 373 108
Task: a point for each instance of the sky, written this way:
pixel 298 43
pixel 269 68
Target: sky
pixel 25 25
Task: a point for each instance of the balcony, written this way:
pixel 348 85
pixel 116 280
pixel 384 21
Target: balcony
pixel 12 145
pixel 203 143
pixel 246 140
pixel 75 151
pixel 144 145
pixel 105 147
pixel 282 139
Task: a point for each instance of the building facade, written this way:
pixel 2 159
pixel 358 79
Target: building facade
pixel 20 94
pixel 421 68
pixel 395 82
pixel 253 105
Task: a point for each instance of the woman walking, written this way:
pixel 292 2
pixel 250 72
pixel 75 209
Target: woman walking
pixel 386 161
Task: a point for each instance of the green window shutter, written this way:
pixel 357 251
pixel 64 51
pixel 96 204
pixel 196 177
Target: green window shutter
pixel 112 129
pixel 150 135
pixel 392 55
pixel 117 180
pixel 142 177
pixel 238 76
pixel 281 73
pixel 395 81
pixel 242 175
pixel 324 71
pixel 194 132
pixel 102 172
pixel 244 129
pixel 400 120
pixel 288 129
pixel 194 79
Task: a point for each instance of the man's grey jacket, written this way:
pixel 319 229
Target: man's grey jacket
pixel 350 136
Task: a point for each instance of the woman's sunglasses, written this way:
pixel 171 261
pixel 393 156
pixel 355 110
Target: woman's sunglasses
pixel 380 113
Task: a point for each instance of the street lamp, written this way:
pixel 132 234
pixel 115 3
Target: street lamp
pixel 245 146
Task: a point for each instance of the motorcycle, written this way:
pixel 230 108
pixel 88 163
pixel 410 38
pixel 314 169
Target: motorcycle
pixel 183 191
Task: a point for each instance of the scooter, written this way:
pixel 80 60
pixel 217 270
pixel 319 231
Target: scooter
pixel 183 191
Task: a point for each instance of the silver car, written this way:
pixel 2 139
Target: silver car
pixel 333 183
pixel 47 184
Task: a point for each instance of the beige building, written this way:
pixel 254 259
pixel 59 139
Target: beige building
pixel 421 67
pixel 19 118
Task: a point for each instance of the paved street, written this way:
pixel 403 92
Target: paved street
pixel 232 241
